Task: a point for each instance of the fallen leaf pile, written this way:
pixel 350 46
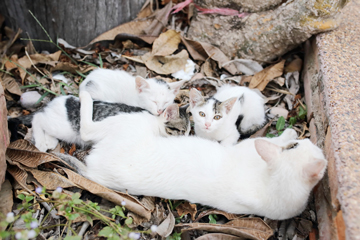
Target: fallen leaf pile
pixel 154 44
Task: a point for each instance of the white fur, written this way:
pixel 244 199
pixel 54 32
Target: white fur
pixel 119 86
pixel 51 123
pixel 251 106
pixel 129 157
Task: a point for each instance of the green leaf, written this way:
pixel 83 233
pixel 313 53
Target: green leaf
pixel 280 123
pixel 91 64
pixel 72 238
pixel 212 219
pixel 77 201
pixel 81 74
pixel 28 198
pixel 89 219
pixel 75 196
pixel 292 120
pixel 42 97
pixel 106 232
pixel 4 234
pixel 73 216
pixel 269 135
pixel 280 132
pixel 128 221
pixel 21 196
pixel 302 112
pixel 174 236
pixel 29 86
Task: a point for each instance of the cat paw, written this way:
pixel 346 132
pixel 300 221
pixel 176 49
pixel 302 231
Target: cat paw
pixel 289 134
pixel 51 142
pixel 42 147
pixel 84 96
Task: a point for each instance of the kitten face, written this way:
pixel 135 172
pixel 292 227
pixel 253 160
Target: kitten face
pixel 155 94
pixel 180 125
pixel 209 114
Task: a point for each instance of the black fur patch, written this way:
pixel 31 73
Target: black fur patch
pixel 160 81
pixel 101 110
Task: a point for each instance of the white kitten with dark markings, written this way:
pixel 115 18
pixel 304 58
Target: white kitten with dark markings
pixel 266 177
pixel 60 120
pixel 232 111
pixel 151 94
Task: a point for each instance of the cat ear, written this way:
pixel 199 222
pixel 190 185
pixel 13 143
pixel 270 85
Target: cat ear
pixel 242 99
pixel 171 112
pixel 175 86
pixel 195 97
pixel 141 84
pixel 268 151
pixel 228 104
pixel 315 170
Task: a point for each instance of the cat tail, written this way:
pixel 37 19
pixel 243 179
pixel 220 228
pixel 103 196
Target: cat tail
pixel 73 162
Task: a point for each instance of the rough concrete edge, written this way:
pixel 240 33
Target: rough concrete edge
pixel 330 217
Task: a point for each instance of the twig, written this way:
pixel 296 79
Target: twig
pixel 303 106
pixel 32 63
pixel 52 211
pixel 83 228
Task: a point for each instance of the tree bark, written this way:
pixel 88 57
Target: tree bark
pixel 4 135
pixel 266 35
pixel 77 22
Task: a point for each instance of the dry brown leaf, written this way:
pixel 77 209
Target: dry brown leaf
pixel 132 204
pixel 279 111
pixel 137 59
pixel 208 67
pixel 137 220
pixel 135 27
pixel 229 216
pixel 24 152
pixel 11 65
pixel 4 140
pixel 20 176
pixel 167 226
pixel 217 55
pixel 262 132
pixel 195 49
pixel 148 202
pixel 187 208
pixel 294 66
pixel 51 180
pixel 249 228
pixel 6 198
pixel 219 236
pixel 72 149
pixel 166 43
pixel 167 64
pixel 261 79
pixel 159 21
pixel 10 84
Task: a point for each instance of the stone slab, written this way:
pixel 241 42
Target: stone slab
pixel 332 75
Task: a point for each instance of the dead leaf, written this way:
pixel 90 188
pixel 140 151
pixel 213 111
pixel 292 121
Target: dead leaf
pixel 279 111
pixel 167 64
pixel 195 49
pixel 135 27
pixel 137 59
pixel 10 84
pixel 229 216
pixel 219 236
pixel 217 55
pixel 261 79
pixel 148 202
pixel 294 66
pixel 20 176
pixel 262 132
pixel 187 208
pixel 137 220
pixel 167 226
pixel 159 21
pixel 6 198
pixel 11 65
pixel 249 228
pixel 208 67
pixel 51 180
pixel 24 152
pixel 72 149
pixel 166 43
pixel 247 66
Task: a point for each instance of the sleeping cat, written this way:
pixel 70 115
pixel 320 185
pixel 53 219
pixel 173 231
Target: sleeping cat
pixel 60 119
pixel 232 111
pixel 152 94
pixel 267 177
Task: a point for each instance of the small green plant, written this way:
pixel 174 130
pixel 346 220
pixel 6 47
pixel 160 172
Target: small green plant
pixel 212 218
pixel 174 236
pixel 72 209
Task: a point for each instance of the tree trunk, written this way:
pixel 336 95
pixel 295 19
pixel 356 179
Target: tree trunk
pixel 77 22
pixel 266 35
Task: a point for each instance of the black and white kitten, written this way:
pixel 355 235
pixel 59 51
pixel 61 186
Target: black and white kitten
pixel 60 120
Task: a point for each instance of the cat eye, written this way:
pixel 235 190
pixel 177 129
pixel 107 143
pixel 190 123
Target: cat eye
pixel 217 117
pixel 202 114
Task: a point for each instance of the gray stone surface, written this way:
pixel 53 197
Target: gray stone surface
pixel 338 59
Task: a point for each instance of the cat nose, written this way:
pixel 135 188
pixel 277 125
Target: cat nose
pixel 207 125
pixel 160 111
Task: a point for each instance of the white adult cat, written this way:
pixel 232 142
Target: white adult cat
pixel 60 120
pixel 119 86
pixel 231 111
pixel 267 177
